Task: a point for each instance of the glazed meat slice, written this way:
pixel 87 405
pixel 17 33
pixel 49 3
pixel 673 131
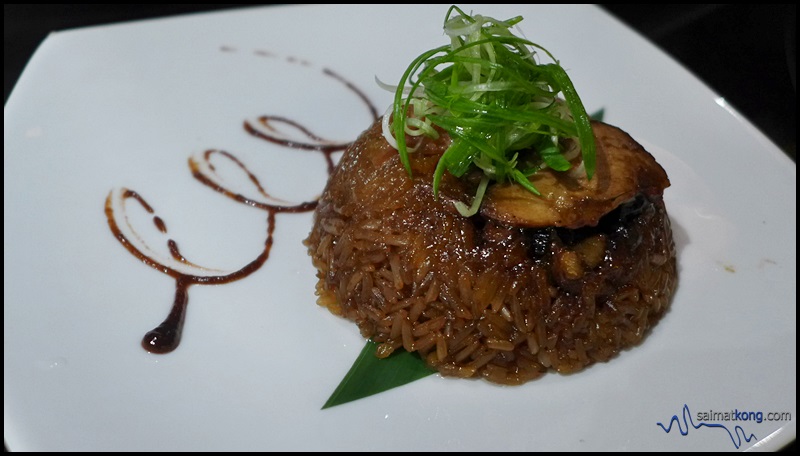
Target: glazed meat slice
pixel 569 200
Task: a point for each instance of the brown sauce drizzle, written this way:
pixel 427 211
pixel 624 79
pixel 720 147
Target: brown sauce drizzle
pixel 166 336
pixel 327 148
pixel 175 252
pixel 160 224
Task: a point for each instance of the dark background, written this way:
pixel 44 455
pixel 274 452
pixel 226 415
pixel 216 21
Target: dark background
pixel 745 53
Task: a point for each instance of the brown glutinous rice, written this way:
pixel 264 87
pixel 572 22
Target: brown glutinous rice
pixel 477 296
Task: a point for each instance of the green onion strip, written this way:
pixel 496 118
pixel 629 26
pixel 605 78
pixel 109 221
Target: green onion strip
pixel 500 107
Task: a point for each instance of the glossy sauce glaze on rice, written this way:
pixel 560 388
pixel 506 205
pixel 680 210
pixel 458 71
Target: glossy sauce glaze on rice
pixel 495 295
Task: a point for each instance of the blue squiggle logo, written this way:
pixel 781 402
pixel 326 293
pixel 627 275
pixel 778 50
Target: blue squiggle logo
pixel 738 431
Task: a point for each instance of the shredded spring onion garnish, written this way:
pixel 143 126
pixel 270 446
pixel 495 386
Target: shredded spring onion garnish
pixel 501 108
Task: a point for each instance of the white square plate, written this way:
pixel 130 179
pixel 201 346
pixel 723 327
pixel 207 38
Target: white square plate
pixel 125 106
